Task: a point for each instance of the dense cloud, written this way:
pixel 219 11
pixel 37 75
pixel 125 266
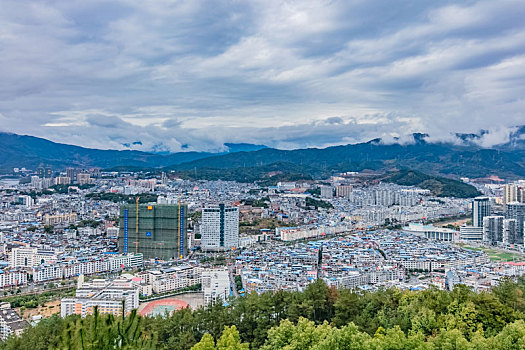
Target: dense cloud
pixel 191 75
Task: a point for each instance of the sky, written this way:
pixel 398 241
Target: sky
pixel 161 75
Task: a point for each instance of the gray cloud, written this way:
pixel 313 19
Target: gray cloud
pixel 194 74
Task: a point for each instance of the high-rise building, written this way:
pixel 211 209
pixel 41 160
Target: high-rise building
pixel 516 211
pixel 84 179
pixel 44 172
pixel 510 193
pixel 220 228
pixel 343 191
pixel 480 209
pixel 510 231
pixel 384 197
pixel 327 192
pixel 157 230
pixel 62 180
pixel 72 174
pixel 493 229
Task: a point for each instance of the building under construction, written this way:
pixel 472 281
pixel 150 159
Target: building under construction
pixel 158 231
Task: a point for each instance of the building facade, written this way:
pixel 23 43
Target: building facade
pixel 493 229
pixel 158 231
pixel 220 228
pixel 480 208
pixel 112 297
pixel 516 211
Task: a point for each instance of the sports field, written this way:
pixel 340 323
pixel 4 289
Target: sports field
pixel 160 307
pixel 497 254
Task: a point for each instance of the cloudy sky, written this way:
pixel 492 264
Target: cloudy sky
pixel 191 75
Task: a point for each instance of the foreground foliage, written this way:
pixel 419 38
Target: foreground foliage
pixel 318 318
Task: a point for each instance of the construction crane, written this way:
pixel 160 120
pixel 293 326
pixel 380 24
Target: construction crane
pixel 137 226
pixel 179 228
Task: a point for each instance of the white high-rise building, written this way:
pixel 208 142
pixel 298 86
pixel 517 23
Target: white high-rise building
pixel 220 228
pixel 480 209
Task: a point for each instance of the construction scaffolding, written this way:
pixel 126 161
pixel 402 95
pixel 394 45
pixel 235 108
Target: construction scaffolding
pixel 160 230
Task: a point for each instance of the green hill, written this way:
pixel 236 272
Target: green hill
pixel 439 186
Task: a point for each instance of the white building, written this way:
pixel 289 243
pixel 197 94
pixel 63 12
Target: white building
pixel 471 233
pixel 106 295
pixel 12 278
pixel 432 232
pixel 220 228
pixel 29 256
pixel 215 285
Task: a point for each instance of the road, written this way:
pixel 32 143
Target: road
pixel 233 286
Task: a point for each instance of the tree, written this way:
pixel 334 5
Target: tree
pixel 450 340
pixel 229 340
pixel 511 337
pixel 49 229
pixel 107 331
pixel 206 343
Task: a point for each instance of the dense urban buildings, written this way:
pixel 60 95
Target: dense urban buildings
pixel 350 234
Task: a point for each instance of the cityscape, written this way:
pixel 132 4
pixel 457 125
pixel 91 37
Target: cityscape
pixel 88 239
pixel 274 175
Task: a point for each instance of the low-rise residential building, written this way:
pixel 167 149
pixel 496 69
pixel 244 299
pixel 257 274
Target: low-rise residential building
pixel 110 297
pixel 215 285
pixel 11 323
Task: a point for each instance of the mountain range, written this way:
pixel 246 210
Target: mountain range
pixel 31 152
pixel 466 159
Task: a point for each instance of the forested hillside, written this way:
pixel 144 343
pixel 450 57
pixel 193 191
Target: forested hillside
pixel 318 318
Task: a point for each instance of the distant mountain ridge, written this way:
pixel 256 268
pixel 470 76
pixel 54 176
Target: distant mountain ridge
pixel 446 159
pixel 434 158
pixel 31 152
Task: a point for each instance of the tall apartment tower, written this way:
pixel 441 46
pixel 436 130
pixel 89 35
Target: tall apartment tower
pixel 493 229
pixel 327 192
pixel 480 209
pixel 220 228
pixel 516 211
pixel 510 193
pixel 161 233
pixel 44 172
pixel 510 231
pixel 72 174
pixel 343 191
